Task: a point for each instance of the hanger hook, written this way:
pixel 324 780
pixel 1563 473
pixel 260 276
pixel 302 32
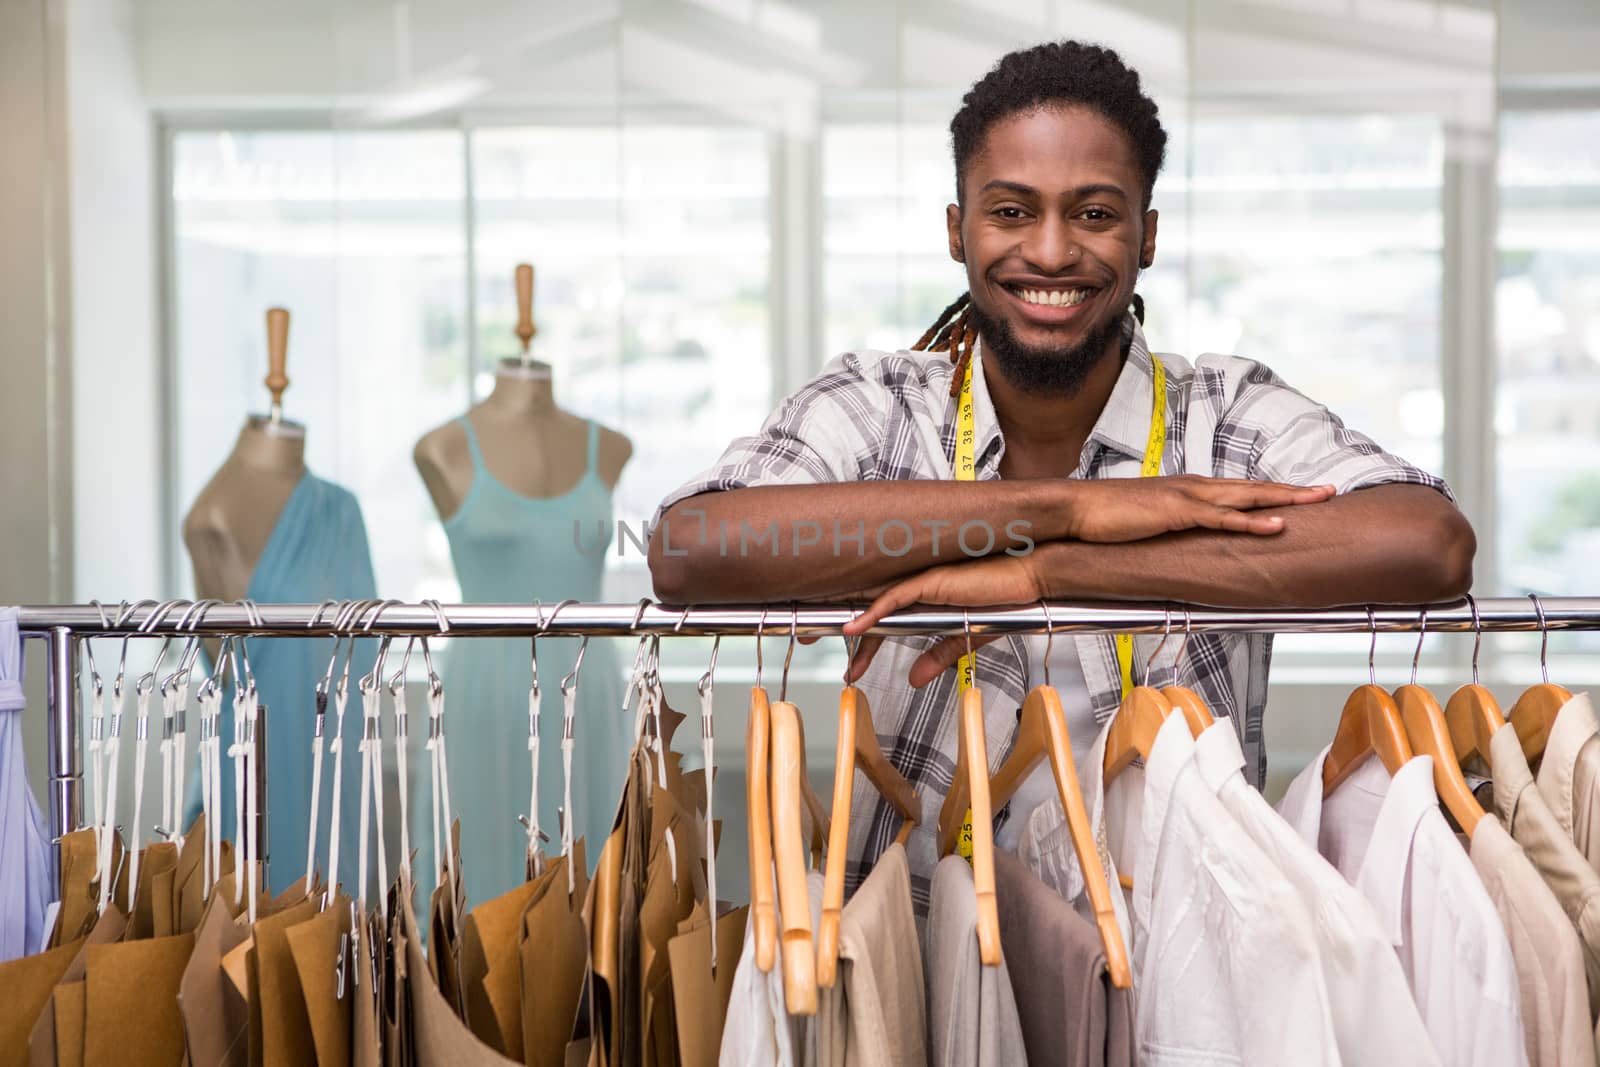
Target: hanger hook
pixel 339 620
pixel 374 678
pixel 794 635
pixel 1544 639
pixel 760 625
pixel 1372 649
pixel 571 678
pixel 966 628
pixel 1422 633
pixel 1183 646
pixel 1477 635
pixel 1166 632
pixel 1049 637
pixel 147 680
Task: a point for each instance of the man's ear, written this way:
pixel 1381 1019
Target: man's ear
pixel 1147 249
pixel 952 225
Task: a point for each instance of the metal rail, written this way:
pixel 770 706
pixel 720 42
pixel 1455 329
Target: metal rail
pixel 1499 614
pixel 63 626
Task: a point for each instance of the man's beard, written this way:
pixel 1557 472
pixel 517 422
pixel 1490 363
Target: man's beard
pixel 1046 371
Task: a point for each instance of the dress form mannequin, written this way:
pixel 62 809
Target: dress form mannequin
pixel 530 445
pixel 233 517
pixel 515 481
pixel 268 529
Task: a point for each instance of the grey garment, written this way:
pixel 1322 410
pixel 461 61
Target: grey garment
pixel 875 1014
pixel 1069 1012
pixel 972 1013
pixel 1565 870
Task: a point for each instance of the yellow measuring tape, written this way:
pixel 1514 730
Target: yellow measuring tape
pixel 967 471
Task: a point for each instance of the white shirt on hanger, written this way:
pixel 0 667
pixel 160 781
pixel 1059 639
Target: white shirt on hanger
pixel 1225 967
pixel 759 1031
pixel 1374 1017
pixel 1389 839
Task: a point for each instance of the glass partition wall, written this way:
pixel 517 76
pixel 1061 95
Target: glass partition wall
pixel 1392 203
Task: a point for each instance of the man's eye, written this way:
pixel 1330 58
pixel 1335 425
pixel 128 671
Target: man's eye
pixel 1097 214
pixel 1011 213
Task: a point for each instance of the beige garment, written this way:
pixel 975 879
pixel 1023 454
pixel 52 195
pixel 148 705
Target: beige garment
pixel 873 1015
pixel 1070 1013
pixel 1548 954
pixel 1523 811
pixel 1569 775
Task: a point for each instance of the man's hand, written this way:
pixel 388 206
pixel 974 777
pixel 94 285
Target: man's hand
pixel 1116 510
pixel 980 583
pixel 1110 510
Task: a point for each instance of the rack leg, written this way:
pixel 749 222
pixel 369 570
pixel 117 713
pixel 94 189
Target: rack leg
pixel 66 755
pixel 263 840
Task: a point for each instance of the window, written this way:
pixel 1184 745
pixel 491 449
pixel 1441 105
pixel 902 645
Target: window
pixel 1547 318
pixel 360 236
pixel 651 246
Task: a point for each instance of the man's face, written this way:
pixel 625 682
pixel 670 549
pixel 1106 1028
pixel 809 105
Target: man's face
pixel 1052 233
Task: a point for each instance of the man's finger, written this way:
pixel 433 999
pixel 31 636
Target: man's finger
pixel 892 600
pixel 862 658
pixel 941 657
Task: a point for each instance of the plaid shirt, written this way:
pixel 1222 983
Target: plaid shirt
pixel 872 416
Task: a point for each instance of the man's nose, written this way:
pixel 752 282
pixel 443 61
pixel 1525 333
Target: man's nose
pixel 1052 247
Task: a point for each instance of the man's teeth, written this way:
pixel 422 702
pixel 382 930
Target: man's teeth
pixel 1053 297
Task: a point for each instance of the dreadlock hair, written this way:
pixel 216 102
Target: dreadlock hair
pixel 1055 74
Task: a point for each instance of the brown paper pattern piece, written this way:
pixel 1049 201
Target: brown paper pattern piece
pixel 131 1013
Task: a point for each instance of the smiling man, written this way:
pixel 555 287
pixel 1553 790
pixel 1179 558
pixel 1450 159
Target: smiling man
pixel 1045 452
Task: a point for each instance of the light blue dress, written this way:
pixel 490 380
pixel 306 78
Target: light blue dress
pixel 510 548
pixel 25 867
pixel 317 551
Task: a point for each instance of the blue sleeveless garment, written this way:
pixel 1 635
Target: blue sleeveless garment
pixel 510 548
pixel 317 551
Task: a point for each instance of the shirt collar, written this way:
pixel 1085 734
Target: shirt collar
pixel 1301 806
pixel 1386 867
pixel 1172 752
pixel 1123 425
pixel 1217 754
pixel 1508 766
pixel 1574 725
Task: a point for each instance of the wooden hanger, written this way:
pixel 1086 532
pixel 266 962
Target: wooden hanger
pixel 1183 699
pixel 763 909
pixel 794 906
pixel 1535 711
pixel 973 759
pixel 1429 735
pixel 858 747
pixel 1369 725
pixel 808 794
pixel 1042 733
pixel 1133 730
pixel 972 769
pixel 1140 717
pixel 820 822
pixel 1472 714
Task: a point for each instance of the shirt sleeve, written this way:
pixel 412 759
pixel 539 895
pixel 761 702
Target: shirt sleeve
pixel 1294 439
pixel 827 431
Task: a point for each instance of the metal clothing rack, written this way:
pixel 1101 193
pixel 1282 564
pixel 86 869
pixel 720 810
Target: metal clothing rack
pixel 63 627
